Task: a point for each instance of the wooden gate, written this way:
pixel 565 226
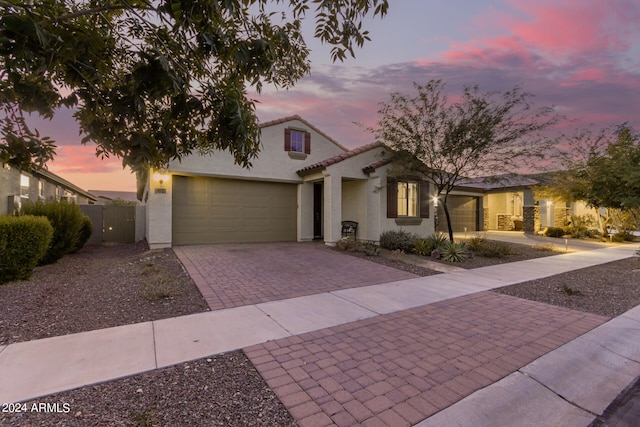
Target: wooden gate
pixel 119 224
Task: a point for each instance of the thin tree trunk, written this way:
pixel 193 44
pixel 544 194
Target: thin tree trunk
pixel 446 214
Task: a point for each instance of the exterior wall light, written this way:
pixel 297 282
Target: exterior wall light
pixel 435 201
pixel 160 177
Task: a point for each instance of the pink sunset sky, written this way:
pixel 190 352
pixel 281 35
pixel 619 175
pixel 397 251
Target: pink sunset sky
pixel 582 56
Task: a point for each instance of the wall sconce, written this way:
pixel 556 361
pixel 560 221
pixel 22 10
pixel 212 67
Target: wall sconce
pixel 161 177
pixel 435 201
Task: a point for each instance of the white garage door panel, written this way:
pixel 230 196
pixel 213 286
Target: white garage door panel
pixel 209 210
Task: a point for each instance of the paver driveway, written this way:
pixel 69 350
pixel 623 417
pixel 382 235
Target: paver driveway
pixel 250 273
pixel 400 368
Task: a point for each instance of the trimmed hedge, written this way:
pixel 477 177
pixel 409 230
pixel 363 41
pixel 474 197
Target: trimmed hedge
pixel 23 242
pixel 66 219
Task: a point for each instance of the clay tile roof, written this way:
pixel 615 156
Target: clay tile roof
pixel 333 160
pixel 375 165
pixel 300 119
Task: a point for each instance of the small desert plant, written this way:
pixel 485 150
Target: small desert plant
pixel 570 292
pixel 494 249
pixel 432 243
pixel 370 248
pixel 475 243
pixel 146 418
pixel 347 244
pixel 422 247
pixel 454 251
pixel 437 240
pixel 545 247
pixel 157 286
pixel 554 232
pixel 398 239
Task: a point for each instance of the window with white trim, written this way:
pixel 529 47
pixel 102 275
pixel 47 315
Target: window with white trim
pixel 24 186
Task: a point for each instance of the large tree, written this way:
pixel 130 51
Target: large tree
pixel 152 81
pixel 606 170
pixel 448 141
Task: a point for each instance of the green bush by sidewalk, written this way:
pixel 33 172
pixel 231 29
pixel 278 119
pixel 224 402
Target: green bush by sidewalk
pixel 67 221
pixel 24 240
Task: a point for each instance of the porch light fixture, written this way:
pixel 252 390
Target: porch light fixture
pixel 435 201
pixel 160 177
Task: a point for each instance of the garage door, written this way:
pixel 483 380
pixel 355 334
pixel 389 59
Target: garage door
pixel 211 210
pixel 463 211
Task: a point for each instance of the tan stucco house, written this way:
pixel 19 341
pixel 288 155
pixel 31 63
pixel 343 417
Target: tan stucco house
pixel 300 188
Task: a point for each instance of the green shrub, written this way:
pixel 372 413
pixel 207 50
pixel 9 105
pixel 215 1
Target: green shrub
pixel 554 232
pixel 454 251
pixel 494 249
pixel 488 248
pixel 434 242
pixel 422 247
pixel 85 232
pixel 347 244
pixel 622 236
pixel 398 239
pixel 369 248
pixel 66 220
pixel 475 243
pixel 23 242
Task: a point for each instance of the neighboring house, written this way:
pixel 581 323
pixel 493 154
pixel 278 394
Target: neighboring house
pixel 510 203
pixel 17 186
pixel 301 187
pixel 104 197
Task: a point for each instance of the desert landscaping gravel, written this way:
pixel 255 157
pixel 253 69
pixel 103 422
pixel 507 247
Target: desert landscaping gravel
pixel 98 287
pixel 108 286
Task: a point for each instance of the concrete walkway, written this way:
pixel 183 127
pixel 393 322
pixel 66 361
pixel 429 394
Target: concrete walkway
pixel 572 383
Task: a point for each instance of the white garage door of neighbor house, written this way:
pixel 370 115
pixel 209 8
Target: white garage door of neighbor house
pixel 212 210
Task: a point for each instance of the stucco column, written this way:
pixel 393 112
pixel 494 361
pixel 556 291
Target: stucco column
pixel 332 209
pixel 158 212
pixel 530 213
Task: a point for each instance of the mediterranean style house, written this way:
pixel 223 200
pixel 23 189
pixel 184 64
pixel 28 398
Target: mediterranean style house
pixel 18 186
pixel 301 187
pixel 304 184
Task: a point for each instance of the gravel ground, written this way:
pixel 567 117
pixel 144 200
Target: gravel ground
pixel 114 285
pixel 607 289
pixel 97 287
pixel 223 390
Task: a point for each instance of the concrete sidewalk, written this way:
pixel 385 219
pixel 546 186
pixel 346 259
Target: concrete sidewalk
pixel 589 371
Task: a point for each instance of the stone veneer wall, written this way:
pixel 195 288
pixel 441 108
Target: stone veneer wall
pixel 531 219
pixel 561 216
pixel 485 219
pixel 505 223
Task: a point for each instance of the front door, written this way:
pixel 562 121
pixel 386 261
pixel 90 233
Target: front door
pixel 317 210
